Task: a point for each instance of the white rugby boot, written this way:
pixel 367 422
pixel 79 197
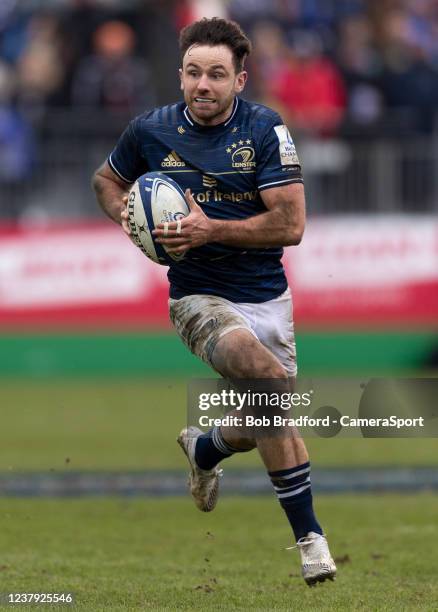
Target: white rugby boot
pixel 203 484
pixel 317 564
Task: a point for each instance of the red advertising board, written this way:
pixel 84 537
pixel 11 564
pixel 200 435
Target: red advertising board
pixel 357 271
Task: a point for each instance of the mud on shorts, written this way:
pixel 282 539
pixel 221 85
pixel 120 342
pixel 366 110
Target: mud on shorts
pixel 201 320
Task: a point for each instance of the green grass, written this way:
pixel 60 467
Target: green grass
pixel 120 554
pixel 123 424
pixel 162 554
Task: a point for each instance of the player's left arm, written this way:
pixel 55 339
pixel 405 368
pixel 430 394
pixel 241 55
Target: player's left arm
pixel 281 225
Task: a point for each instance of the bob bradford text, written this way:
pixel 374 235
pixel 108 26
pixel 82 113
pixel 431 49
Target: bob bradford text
pixel 308 421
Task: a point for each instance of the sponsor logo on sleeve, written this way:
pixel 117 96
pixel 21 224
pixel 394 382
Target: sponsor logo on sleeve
pixel 287 150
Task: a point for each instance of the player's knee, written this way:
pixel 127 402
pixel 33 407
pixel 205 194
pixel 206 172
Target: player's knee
pixel 265 365
pixel 260 367
pixel 276 370
pixel 240 355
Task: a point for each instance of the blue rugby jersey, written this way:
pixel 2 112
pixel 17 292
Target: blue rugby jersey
pixel 226 167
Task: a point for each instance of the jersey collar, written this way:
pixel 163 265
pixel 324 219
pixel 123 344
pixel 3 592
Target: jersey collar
pixel 194 123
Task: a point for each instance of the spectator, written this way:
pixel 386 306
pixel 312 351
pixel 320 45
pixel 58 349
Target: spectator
pixel 270 57
pixel 309 91
pixel 361 66
pixel 13 30
pixel 113 78
pixel 40 68
pixel 422 18
pixel 16 145
pixel 409 79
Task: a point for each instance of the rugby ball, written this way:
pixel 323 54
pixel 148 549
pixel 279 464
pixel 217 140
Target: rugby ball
pixel 153 199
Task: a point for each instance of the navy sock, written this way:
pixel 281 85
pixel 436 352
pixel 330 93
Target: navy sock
pixel 294 493
pixel 212 448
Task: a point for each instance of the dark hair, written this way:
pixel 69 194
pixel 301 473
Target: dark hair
pixel 216 31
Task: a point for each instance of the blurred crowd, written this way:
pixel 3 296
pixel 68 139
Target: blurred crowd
pixel 347 66
pixel 331 67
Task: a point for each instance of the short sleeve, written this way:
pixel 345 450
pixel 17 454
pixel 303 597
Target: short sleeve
pixel 125 160
pixel 278 162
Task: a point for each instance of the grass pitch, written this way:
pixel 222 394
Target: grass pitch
pixel 163 554
pixel 122 554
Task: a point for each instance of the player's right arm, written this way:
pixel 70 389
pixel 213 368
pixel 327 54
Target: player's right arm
pixel 112 194
pixel 113 180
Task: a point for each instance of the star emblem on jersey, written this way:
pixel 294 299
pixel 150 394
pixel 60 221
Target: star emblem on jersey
pixel 173 160
pixel 242 155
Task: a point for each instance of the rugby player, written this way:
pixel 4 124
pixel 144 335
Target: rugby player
pixel 229 298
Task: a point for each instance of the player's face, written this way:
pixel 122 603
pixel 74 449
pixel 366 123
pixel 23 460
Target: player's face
pixel 209 82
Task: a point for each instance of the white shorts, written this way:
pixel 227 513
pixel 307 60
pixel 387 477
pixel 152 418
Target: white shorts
pixel 201 320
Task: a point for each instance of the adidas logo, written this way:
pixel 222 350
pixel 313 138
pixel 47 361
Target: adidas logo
pixel 209 181
pixel 173 160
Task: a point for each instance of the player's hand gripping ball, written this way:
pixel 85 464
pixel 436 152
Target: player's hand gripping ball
pixel 154 199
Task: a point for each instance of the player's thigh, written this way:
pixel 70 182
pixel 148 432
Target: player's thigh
pixel 202 320
pixel 216 331
pixel 275 330
pixel 239 354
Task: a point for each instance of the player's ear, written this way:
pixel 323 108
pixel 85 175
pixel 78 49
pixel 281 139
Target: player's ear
pixel 241 79
pixel 180 72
